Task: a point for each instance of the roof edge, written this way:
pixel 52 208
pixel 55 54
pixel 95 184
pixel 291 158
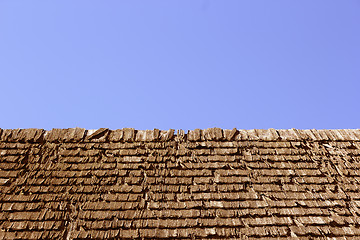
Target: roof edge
pixel 34 135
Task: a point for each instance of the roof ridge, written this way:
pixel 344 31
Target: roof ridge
pixel 210 134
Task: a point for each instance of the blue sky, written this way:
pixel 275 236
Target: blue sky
pixel 180 64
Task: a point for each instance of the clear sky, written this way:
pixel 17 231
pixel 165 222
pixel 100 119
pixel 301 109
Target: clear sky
pixel 180 64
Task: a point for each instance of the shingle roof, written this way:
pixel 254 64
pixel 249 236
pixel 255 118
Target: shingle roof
pixel 152 184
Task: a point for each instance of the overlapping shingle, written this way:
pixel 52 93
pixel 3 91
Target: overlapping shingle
pixel 153 184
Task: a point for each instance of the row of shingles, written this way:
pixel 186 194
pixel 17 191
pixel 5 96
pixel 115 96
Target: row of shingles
pixel 269 158
pixel 83 135
pixel 224 151
pixel 270 233
pixel 189 233
pixel 23 215
pixel 274 135
pixel 130 134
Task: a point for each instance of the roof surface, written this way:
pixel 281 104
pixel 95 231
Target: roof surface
pixel 153 184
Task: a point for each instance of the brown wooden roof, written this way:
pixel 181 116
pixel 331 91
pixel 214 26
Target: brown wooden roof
pixel 210 184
